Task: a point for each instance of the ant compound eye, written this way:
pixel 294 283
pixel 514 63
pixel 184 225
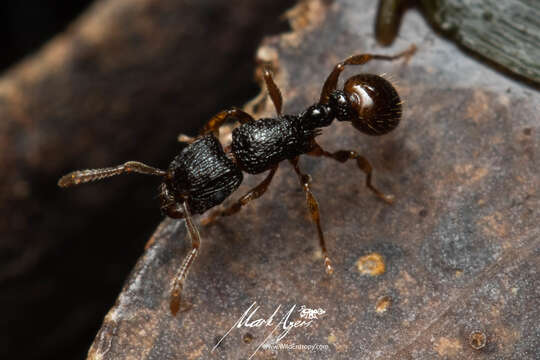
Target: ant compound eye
pixel 376 103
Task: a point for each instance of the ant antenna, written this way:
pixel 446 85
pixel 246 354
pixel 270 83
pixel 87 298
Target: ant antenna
pixel 84 176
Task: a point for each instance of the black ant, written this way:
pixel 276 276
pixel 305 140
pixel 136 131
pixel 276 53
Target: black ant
pixel 205 174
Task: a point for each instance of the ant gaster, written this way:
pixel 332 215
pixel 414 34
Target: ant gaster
pixel 204 174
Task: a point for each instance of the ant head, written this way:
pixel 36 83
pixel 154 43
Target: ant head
pixel 370 102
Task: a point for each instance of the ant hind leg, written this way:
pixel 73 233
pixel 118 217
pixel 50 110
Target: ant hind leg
pixel 331 81
pixel 362 163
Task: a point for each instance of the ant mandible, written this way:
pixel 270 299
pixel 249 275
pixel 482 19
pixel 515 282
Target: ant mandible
pixel 205 174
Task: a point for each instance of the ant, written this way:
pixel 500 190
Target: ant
pixel 204 174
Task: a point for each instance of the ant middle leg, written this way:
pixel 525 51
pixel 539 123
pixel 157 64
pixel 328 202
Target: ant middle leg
pixel 362 163
pixel 253 194
pixel 177 283
pixel 273 90
pixel 220 118
pixel 213 125
pixel 313 207
pixel 331 81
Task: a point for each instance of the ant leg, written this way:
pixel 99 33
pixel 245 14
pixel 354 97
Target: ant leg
pixel 219 119
pixel 178 281
pixel 84 176
pixel 273 90
pixel 313 207
pixel 253 194
pixel 331 81
pixel 363 164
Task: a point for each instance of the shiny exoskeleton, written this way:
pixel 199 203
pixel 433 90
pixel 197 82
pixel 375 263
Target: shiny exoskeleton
pixel 204 174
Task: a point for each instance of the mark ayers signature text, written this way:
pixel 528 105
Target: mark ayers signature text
pixel 283 325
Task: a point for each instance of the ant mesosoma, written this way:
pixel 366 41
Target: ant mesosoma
pixel 205 174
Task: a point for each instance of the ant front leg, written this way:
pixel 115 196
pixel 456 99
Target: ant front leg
pixel 178 281
pixel 313 207
pixel 363 164
pixel 169 205
pixel 253 194
pixel 331 81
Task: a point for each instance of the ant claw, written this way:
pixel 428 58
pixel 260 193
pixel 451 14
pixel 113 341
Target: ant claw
pixel 328 266
pixel 388 198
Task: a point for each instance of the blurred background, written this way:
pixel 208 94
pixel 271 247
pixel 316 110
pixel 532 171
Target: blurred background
pixel 90 84
pixel 25 26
